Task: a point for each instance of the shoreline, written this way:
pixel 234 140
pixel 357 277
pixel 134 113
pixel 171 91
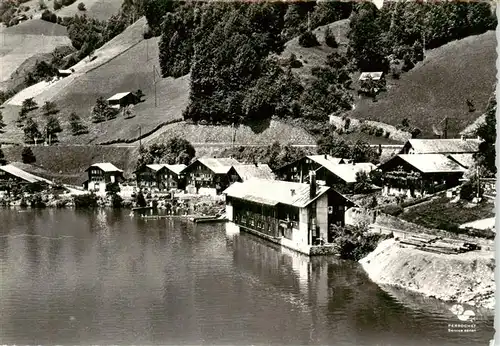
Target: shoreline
pixel 466 278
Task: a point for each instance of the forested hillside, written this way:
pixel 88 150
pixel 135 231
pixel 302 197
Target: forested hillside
pixel 231 48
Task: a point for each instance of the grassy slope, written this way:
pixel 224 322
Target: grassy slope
pixel 69 162
pixel 99 9
pixel 123 64
pixel 315 56
pixel 274 131
pixel 437 211
pixel 439 87
pixel 25 40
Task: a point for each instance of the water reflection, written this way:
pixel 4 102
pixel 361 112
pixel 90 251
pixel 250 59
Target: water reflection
pixel 107 278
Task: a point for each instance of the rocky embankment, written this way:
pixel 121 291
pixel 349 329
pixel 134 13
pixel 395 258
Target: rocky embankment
pixel 466 278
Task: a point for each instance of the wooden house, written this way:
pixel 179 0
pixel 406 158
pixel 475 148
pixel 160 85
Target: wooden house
pixel 101 174
pixel 330 171
pixel 160 176
pixel 122 100
pixel 420 174
pixel 441 146
pixel 210 175
pixel 249 171
pixel 296 215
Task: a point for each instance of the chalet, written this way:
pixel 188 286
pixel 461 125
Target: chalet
pixel 100 174
pixel 299 170
pixel 330 171
pixel 11 175
pixel 419 174
pixel 210 175
pixel 441 146
pixel 295 215
pixel 160 176
pixel 121 100
pixel 247 172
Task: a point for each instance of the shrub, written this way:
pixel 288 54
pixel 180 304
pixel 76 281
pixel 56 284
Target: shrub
pixel 330 39
pixel 85 201
pixel 57 5
pixel 37 201
pixel 354 243
pixel 140 200
pixel 379 132
pixel 387 134
pixel 293 62
pixel 116 201
pixel 68 2
pixel 81 7
pixel 49 16
pixel 308 39
pixel 27 156
pixel 392 209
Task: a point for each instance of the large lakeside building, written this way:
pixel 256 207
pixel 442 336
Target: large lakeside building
pixel 295 215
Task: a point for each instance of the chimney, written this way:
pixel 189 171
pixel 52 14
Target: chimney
pixel 292 192
pixel 312 183
pixel 326 156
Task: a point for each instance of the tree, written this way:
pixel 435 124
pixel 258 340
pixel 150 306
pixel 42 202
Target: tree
pixel 2 124
pixel 52 128
pixel 77 127
pixel 31 131
pixel 49 16
pixel 363 183
pixel 57 5
pixel 331 144
pixel 330 38
pixel 487 132
pixel 29 104
pixel 27 155
pixel 49 108
pixel 3 161
pixel 308 39
pixel 362 152
pixel 81 7
pixel 139 95
pixel 175 151
pixel 102 111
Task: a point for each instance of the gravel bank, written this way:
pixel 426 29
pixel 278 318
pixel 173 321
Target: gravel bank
pixel 464 278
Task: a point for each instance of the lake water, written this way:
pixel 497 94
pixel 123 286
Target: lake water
pixel 70 277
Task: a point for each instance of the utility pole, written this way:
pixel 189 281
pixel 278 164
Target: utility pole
pixel 308 21
pixel 154 82
pixel 445 132
pixel 478 182
pixel 140 139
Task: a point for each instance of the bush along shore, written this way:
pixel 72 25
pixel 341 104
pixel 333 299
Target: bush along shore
pixel 39 195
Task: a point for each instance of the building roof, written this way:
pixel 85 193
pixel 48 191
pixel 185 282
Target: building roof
pixel 472 128
pixel 118 96
pixel 432 163
pixel 65 71
pixel 17 172
pixel 177 169
pixel 261 171
pixel 347 172
pixel 106 167
pixel 326 159
pixel 373 75
pixel 443 146
pixel 155 166
pixel 466 160
pixel 217 165
pixel 273 192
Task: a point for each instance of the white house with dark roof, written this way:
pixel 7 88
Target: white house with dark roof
pixel 419 174
pixel 295 215
pixel 101 174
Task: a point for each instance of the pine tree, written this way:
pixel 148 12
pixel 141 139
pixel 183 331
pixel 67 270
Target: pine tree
pixel 3 161
pixel 31 131
pixel 52 128
pixel 27 155
pixel 49 108
pixel 2 124
pixel 77 127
